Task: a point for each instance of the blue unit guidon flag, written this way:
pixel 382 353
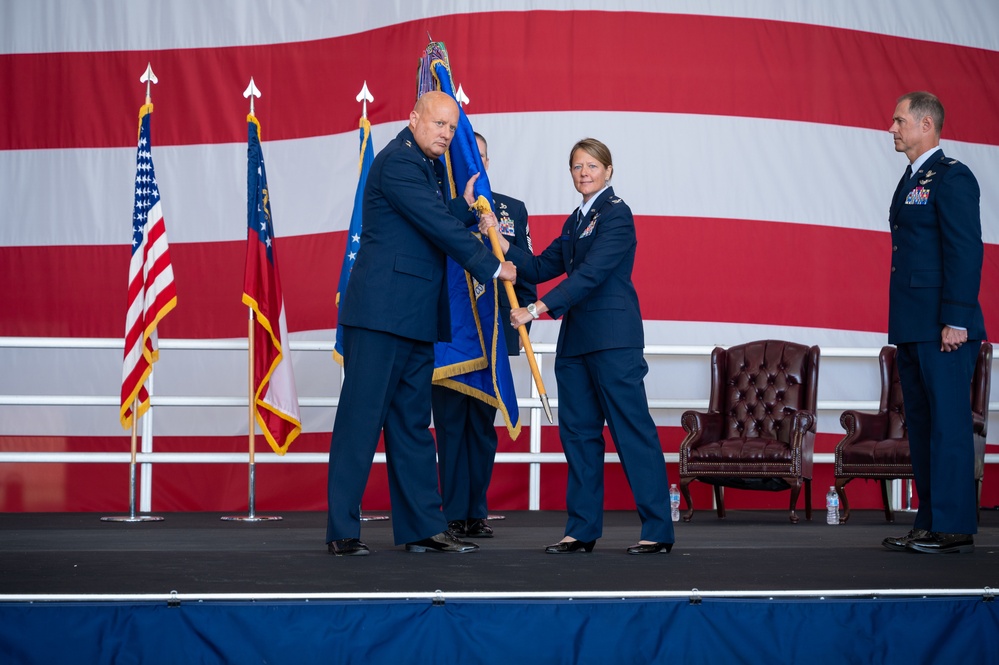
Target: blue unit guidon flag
pixel 354 230
pixel 475 361
pixel 151 289
pixel 275 395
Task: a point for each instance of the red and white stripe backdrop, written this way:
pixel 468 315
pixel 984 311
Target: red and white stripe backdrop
pixel 750 139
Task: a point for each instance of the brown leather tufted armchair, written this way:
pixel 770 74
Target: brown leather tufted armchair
pixel 759 430
pixel 876 445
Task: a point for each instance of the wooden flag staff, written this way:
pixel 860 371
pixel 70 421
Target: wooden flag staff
pixel 148 78
pixel 483 206
pixel 522 329
pixel 251 516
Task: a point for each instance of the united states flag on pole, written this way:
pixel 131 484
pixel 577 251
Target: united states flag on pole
pixel 275 396
pixel 151 290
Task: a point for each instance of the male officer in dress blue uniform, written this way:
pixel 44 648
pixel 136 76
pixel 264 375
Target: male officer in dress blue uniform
pixel 465 425
pixel 394 309
pixel 936 321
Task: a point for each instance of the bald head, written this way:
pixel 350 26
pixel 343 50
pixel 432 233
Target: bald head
pixel 433 122
pixel 434 99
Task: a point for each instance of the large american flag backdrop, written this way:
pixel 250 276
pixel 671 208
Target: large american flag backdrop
pixel 749 138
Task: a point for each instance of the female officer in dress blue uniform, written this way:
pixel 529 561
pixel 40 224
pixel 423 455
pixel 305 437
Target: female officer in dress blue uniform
pixel 599 364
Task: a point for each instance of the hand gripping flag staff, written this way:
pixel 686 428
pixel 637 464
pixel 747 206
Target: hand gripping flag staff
pixel 152 293
pixel 273 397
pixel 470 363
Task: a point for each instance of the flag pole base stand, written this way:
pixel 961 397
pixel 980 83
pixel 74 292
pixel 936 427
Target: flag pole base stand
pixel 251 514
pixel 133 518
pixel 374 518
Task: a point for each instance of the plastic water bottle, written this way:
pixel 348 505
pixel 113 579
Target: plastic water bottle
pixel 674 502
pixel 832 506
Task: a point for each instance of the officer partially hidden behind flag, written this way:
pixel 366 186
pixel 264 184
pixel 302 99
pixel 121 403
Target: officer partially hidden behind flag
pixel 394 309
pixel 463 423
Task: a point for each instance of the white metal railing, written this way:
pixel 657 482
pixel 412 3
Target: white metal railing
pixel 535 457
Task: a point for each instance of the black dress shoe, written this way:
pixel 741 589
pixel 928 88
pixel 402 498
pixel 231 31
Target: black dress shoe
pixel 651 548
pixel 457 527
pixel 445 541
pixel 943 543
pixel 898 544
pixel 347 547
pixel 571 546
pixel 478 529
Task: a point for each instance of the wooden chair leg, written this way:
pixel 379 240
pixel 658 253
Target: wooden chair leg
pixel 886 499
pixel 685 492
pixel 720 501
pixel 795 491
pixel 844 504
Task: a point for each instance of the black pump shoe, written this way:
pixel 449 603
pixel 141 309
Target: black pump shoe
pixel 650 548
pixel 571 546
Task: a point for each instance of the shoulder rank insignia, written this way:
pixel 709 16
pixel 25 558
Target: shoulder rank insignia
pixel 616 199
pixel 952 162
pixel 408 143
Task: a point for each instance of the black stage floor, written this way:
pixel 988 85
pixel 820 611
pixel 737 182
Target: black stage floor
pixel 197 553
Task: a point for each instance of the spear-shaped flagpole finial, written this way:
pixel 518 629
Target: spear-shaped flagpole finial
pixel 148 78
pixel 460 96
pixel 365 96
pixel 251 91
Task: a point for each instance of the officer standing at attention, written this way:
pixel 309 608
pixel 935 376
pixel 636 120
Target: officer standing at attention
pixel 936 322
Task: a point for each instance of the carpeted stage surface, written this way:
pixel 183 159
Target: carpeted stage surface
pixel 194 553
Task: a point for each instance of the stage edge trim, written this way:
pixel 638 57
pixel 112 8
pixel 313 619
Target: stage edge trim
pixel 438 597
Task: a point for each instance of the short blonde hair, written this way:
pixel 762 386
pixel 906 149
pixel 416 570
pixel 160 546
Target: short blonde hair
pixel 595 149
